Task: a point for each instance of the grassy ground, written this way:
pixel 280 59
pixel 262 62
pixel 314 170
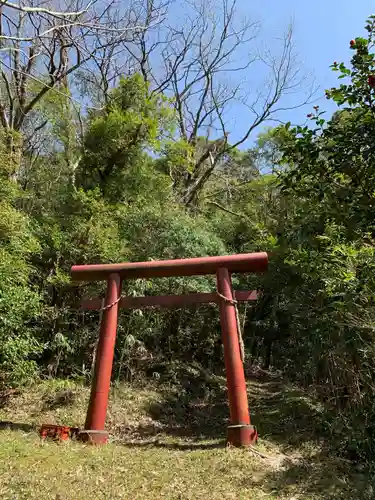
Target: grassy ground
pixel 166 443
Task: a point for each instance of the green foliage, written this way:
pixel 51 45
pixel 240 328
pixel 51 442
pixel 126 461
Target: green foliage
pixel 132 122
pixel 10 151
pixel 177 161
pixel 159 233
pixel 323 302
pixel 19 301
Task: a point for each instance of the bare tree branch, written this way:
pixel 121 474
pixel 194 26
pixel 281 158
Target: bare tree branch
pixel 41 44
pixel 224 209
pixel 43 10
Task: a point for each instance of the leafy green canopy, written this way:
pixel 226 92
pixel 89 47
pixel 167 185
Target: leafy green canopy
pixel 323 280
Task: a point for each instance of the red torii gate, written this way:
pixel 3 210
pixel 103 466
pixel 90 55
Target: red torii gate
pixel 240 432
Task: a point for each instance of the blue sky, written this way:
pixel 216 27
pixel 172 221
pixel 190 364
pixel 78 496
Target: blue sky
pixel 322 31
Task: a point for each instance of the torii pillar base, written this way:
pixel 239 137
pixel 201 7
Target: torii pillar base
pixel 93 437
pixel 241 435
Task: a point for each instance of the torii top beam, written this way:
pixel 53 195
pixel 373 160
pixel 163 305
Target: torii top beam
pixel 198 266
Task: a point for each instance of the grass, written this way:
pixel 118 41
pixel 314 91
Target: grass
pixel 166 443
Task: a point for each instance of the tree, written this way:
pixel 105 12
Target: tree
pixel 196 74
pixel 203 56
pixel 117 138
pixel 323 265
pixel 41 48
pixel 20 301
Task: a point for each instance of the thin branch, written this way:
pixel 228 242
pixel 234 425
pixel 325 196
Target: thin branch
pixel 233 186
pixel 54 89
pixel 42 10
pixel 215 204
pixel 92 27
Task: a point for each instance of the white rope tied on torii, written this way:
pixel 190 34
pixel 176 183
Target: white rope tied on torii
pixel 105 308
pixel 240 339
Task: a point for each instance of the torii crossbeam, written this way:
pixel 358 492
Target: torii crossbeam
pixel 240 432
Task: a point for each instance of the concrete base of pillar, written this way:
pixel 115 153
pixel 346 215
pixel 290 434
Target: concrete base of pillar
pixel 241 435
pixel 93 436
